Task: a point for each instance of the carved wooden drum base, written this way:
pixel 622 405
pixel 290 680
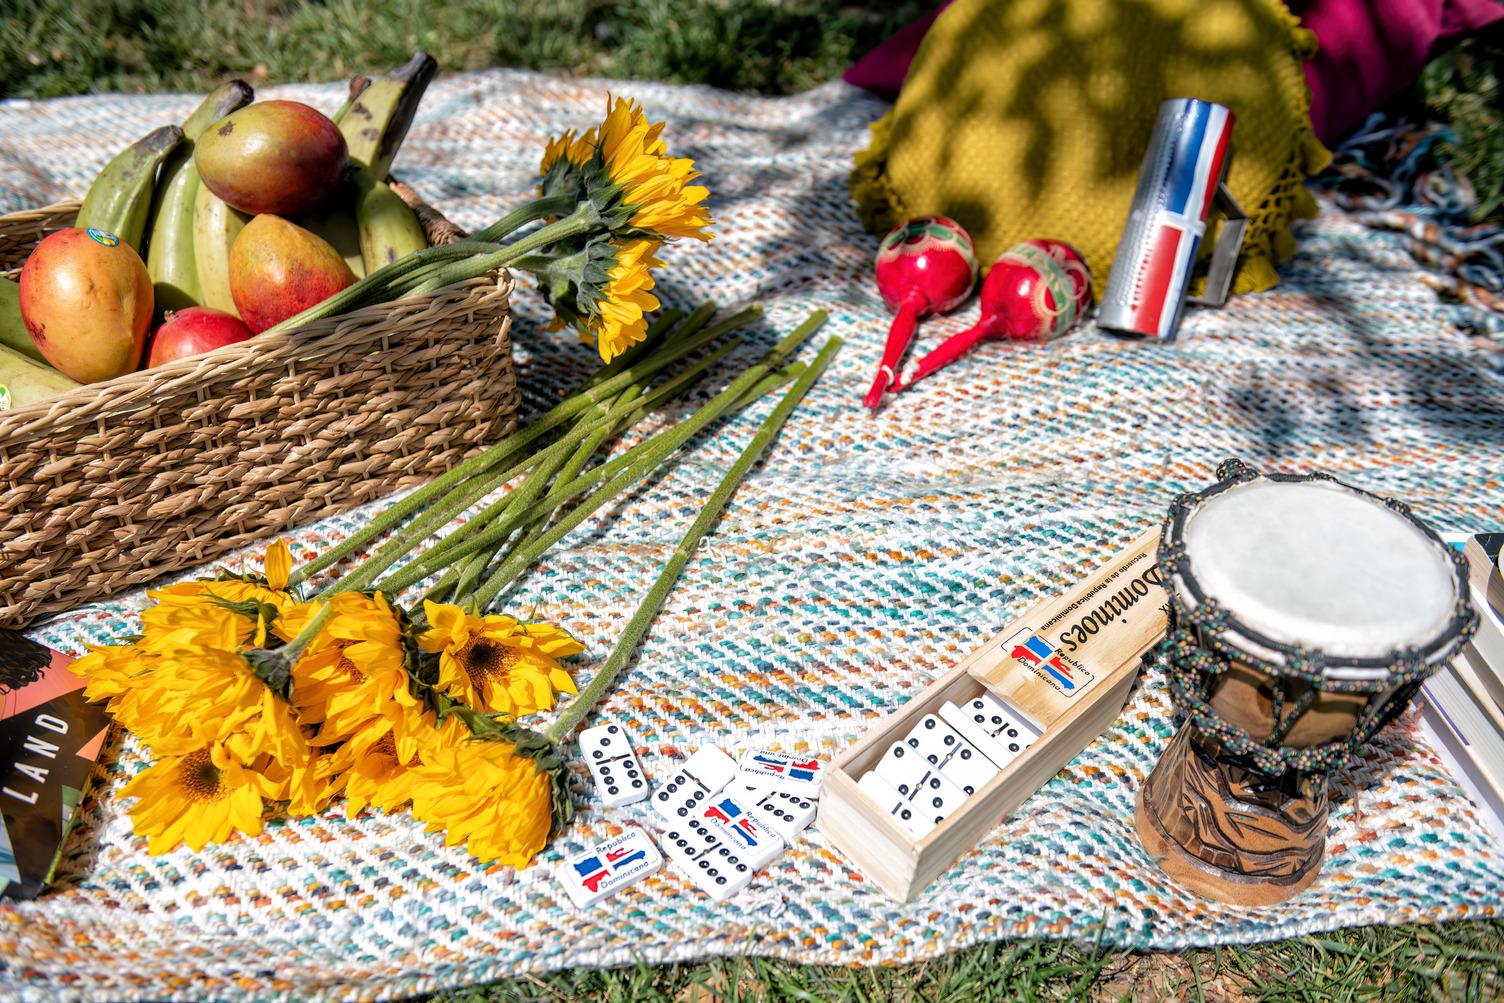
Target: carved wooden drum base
pixel 1224 833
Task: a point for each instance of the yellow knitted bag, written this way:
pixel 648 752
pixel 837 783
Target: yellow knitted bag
pixel 1029 118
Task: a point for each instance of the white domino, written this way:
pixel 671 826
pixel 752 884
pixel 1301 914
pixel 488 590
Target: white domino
pixel 711 863
pixel 779 771
pixel 919 781
pixel 786 814
pixel 917 823
pixel 683 795
pixel 990 726
pixel 957 759
pixel 606 869
pixel 732 819
pixel 619 777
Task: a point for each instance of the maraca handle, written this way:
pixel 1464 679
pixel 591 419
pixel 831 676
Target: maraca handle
pixel 900 333
pixel 948 351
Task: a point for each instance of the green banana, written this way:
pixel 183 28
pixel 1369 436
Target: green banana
pixel 358 85
pixel 335 221
pixel 230 96
pixel 13 333
pixel 378 119
pixel 169 251
pixel 215 227
pixel 119 200
pixel 389 229
pixel 23 381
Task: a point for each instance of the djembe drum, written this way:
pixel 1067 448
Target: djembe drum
pixel 1304 616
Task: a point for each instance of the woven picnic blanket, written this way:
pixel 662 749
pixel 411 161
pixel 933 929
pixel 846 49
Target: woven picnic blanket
pixel 865 556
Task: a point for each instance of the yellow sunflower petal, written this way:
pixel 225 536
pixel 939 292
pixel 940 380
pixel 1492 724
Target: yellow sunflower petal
pixel 277 565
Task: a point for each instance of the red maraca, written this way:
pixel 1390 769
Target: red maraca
pixel 1035 291
pixel 925 266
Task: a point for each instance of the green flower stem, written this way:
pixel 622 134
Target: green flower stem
pixel 465 259
pixel 541 208
pixel 583 220
pixel 485 519
pixel 544 464
pixel 465 581
pixel 652 603
pixel 456 546
pixel 461 580
pixel 476 566
pixel 567 409
pixel 635 470
pixel 628 467
pixel 648 345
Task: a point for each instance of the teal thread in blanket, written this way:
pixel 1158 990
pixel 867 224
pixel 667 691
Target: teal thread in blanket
pixel 864 557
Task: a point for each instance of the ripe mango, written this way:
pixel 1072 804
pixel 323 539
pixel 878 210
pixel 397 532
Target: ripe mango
pixel 278 269
pixel 278 157
pixel 86 298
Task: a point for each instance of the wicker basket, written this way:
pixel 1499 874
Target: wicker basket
pixel 114 484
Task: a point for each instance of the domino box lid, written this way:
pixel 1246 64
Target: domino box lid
pixel 1062 653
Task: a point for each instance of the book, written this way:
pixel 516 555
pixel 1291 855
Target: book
pixel 1487 588
pixel 50 737
pixel 1463 735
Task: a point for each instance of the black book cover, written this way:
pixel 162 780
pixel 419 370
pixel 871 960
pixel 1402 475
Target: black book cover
pixel 49 738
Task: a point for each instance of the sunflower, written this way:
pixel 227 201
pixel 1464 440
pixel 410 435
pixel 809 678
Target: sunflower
pixel 374 775
pixel 307 787
pixel 226 613
pixel 559 172
pixel 652 187
pixel 206 695
pixel 497 663
pixel 620 322
pixel 483 794
pixel 115 674
pixel 197 798
pixel 352 679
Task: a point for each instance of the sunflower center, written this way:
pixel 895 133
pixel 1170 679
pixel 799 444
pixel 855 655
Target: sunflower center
pixel 345 666
pixel 200 778
pixel 484 659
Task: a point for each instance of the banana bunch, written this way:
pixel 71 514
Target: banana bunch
pixel 150 197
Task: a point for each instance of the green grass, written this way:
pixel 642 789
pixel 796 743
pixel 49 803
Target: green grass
pixel 1462 89
pixel 1459 961
pixel 90 46
pixel 60 47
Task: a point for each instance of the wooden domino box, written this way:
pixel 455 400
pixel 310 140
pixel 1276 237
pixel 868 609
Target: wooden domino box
pixel 1065 668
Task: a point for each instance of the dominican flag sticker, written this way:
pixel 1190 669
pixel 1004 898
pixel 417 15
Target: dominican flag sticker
pixel 1046 662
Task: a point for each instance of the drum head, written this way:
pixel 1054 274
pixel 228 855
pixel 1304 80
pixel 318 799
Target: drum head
pixel 1320 565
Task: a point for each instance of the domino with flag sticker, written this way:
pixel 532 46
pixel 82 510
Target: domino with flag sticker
pixel 606 869
pixel 779 771
pixel 711 863
pixel 619 777
pixel 734 822
pixel 786 814
pixel 685 794
pixel 988 724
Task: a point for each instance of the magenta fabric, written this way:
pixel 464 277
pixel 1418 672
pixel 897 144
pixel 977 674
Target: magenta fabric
pixel 882 70
pixel 1369 51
